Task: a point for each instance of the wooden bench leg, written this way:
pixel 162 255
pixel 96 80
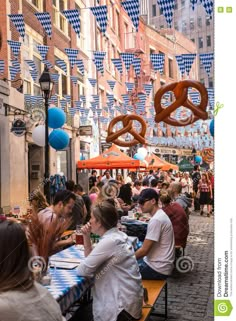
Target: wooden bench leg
pixel 166 301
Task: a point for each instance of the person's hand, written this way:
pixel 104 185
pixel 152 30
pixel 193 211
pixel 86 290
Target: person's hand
pixel 86 229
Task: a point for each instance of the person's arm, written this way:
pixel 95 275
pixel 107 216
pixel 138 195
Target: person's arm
pixel 86 230
pixel 143 251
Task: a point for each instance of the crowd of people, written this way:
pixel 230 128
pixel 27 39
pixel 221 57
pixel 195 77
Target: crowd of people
pixel 116 268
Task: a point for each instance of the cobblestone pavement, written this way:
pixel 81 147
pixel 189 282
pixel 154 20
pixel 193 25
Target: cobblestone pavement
pixel 191 294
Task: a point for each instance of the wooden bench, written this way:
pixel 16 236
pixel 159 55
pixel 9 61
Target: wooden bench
pixel 154 289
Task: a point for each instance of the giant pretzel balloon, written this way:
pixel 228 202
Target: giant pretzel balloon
pixel 180 90
pixel 127 121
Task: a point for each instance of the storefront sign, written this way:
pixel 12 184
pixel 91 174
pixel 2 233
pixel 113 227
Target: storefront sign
pixel 18 127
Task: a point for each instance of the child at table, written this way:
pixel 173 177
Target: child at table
pixel 117 292
pixel 20 297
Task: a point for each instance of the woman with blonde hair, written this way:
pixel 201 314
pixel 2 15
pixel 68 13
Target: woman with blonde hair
pixel 38 201
pixel 93 194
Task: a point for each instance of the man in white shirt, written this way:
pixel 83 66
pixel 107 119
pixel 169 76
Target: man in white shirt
pixel 107 177
pixel 158 249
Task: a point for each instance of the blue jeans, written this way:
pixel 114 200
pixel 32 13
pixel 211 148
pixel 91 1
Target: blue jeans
pixel 148 273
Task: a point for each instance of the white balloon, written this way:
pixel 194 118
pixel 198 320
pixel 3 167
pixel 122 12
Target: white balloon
pixel 142 151
pixel 38 135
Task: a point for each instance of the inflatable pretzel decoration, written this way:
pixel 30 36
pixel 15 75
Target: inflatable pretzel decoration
pixel 127 121
pixel 180 90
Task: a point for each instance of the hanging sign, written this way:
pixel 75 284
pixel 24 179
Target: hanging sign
pixel 18 127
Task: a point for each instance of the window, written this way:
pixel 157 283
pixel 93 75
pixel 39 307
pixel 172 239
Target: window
pixel 193 40
pixel 202 81
pixel 113 55
pixel 117 23
pixel 208 21
pixel 170 65
pixel 106 49
pixel 161 11
pixel 176 26
pixel 58 18
pixel 36 3
pixel 154 10
pixel 184 26
pixel 81 40
pixel 191 24
pixel 62 88
pixel 208 38
pixel 111 15
pixel 176 6
pixel 200 42
pixel 161 26
pixel 81 89
pixel 164 69
pixel 182 3
pixel 126 36
pixel 199 22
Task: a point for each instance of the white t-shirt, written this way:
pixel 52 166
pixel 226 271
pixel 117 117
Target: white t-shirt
pixel 162 254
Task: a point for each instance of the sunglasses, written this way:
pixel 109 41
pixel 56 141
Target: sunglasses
pixel 142 202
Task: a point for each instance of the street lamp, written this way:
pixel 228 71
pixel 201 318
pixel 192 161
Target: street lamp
pixel 46 85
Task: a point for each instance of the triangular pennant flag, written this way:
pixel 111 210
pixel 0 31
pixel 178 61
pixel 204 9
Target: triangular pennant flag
pixel 15 47
pixel 208 5
pixel 13 72
pixel 74 79
pixel 128 59
pixel 188 60
pixel 74 19
pixel 126 98
pixel 43 50
pixel 193 2
pixel 68 98
pixel 72 55
pixel 98 60
pixel 63 104
pixel 207 59
pixel 34 74
pixel 2 66
pixel 167 7
pixel 92 82
pixel 61 63
pixel 147 88
pixel 31 63
pixel 129 86
pixel 77 104
pixel 111 83
pixel 83 98
pixel 194 97
pixel 101 16
pixel 47 63
pixel 18 20
pixel 45 20
pixel 132 8
pixel 72 111
pixel 96 99
pixel 180 62
pixel 80 65
pixel 118 64
pixel 158 62
pixel 53 100
pixel 110 98
pixel 55 77
pixel 137 65
pixel 16 64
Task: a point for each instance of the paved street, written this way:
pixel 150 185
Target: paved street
pixel 190 295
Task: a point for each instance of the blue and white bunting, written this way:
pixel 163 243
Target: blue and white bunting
pixel 53 100
pixel 61 63
pixel 137 65
pixel 18 20
pixel 180 63
pixel 72 55
pixel 77 104
pixel 67 98
pixel 2 66
pixel 80 64
pixel 34 74
pixel 110 97
pixel 132 8
pixel 193 2
pixel 208 5
pixel 47 63
pixel 55 77
pixel 43 50
pixel 167 7
pixel 118 64
pixel 100 13
pixel 127 59
pixel 147 88
pixel 92 82
pixel 98 60
pixel 96 99
pixel 188 60
pixel 63 104
pixel 125 98
pixel 16 64
pixel 74 19
pixel 111 84
pixel 13 72
pixel 206 60
pixel 72 111
pixel 129 86
pixel 15 47
pixel 74 79
pixel 31 63
pixel 158 62
pixel 45 19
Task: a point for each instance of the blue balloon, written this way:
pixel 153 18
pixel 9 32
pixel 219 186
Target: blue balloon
pixel 198 159
pixel 56 117
pixel 211 127
pixel 138 157
pixel 59 139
